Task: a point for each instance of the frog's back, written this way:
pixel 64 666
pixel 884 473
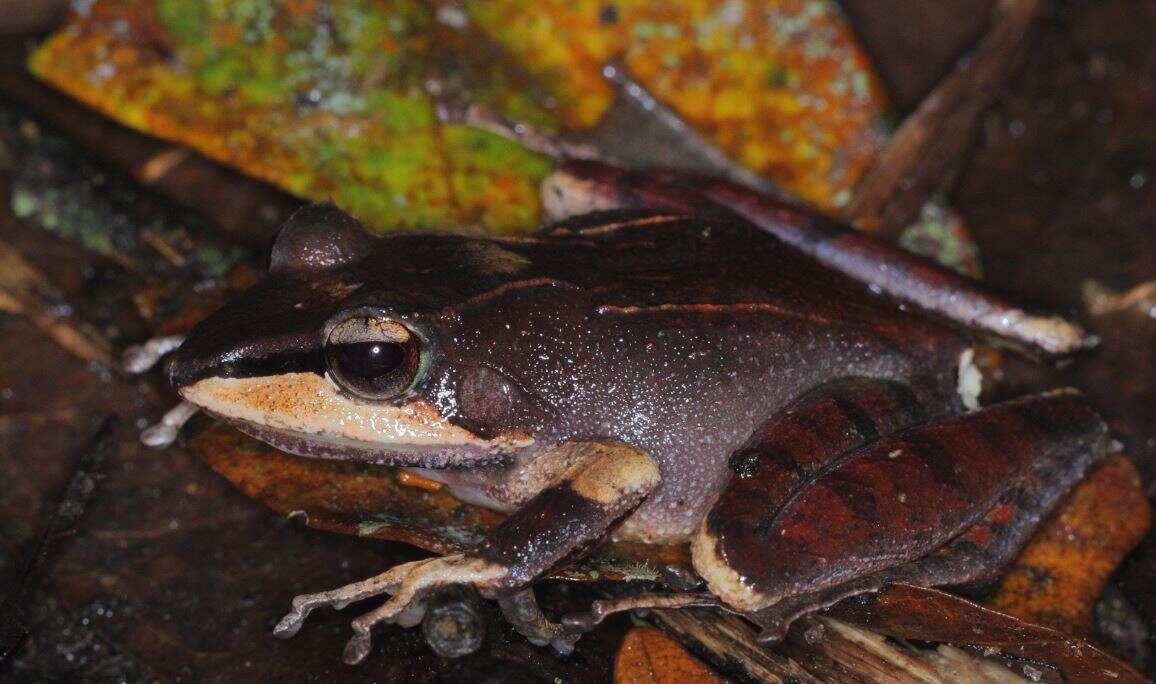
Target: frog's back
pixel 720 278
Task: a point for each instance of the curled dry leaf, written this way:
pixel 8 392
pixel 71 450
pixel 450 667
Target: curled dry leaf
pixel 1058 578
pixel 927 150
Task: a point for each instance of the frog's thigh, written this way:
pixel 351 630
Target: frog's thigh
pixel 974 558
pixel 788 450
pixel 944 503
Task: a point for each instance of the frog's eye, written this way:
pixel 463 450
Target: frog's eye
pixel 374 358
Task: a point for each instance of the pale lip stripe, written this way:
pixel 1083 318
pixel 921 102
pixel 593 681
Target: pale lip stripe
pixel 305 403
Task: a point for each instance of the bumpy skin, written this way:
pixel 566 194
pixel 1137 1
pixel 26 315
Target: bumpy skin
pixel 609 374
pixel 675 335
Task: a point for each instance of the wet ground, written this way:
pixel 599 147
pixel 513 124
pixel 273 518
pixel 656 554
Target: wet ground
pixel 171 573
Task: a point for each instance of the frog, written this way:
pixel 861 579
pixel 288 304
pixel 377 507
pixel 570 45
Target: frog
pixel 671 359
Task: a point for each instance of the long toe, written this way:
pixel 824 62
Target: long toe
pixel 357 649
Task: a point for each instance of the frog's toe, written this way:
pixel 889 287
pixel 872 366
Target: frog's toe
pixel 141 358
pixel 522 612
pixel 415 580
pixel 357 648
pixel 162 434
pixel 303 605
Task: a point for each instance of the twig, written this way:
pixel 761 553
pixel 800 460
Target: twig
pixel 25 291
pixel 928 150
pixel 818 649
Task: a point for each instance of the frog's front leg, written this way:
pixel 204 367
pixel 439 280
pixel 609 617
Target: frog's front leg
pixel 607 481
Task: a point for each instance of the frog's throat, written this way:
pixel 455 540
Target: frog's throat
pixel 303 413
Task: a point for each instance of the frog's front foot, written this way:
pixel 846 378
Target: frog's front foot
pixel 408 584
pixel 141 358
pixel 608 480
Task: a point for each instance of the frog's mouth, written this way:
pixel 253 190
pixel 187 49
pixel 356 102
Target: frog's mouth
pixel 303 414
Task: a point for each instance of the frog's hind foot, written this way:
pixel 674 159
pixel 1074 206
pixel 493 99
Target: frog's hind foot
pixel 522 612
pixel 604 608
pixel 408 584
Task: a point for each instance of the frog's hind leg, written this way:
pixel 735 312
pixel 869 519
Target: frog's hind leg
pixel 795 445
pixel 946 503
pixel 972 560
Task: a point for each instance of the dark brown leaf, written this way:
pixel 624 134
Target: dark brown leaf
pixel 910 612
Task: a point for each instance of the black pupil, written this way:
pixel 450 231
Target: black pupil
pixel 369 360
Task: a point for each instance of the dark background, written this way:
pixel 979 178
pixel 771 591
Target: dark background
pixel 173 574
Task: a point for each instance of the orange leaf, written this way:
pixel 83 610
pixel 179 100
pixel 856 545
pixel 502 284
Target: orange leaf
pixel 374 501
pixel 647 656
pixel 782 86
pixel 1060 575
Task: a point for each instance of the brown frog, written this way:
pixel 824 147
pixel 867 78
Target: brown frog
pixel 691 362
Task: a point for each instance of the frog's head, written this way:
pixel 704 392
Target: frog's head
pixel 352 348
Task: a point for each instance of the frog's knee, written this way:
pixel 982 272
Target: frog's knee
pixel 725 582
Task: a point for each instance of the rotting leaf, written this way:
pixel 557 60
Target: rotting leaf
pixel 1058 578
pixel 61 189
pixel 782 85
pixel 909 612
pixel 324 100
pixel 370 501
pixel 647 656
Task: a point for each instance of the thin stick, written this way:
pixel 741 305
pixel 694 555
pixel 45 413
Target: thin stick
pixel 927 152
